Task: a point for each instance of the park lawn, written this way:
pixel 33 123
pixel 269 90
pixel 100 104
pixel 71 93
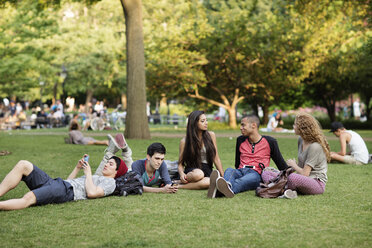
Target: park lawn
pixel 341 217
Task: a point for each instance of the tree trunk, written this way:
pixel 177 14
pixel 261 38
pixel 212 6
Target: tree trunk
pixel 136 124
pixel 88 100
pixel 368 108
pixel 232 116
pixel 124 101
pixel 265 109
pixel 230 107
pixel 55 88
pixel 331 108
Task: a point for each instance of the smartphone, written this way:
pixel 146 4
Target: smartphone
pixel 86 158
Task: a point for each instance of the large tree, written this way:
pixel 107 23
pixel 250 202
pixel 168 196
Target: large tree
pixel 334 32
pixel 136 125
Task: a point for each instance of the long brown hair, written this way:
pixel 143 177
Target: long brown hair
pixel 191 156
pixel 310 131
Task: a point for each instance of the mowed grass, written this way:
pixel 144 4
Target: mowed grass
pixel 341 217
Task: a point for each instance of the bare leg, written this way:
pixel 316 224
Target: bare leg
pixel 196 180
pixel 337 157
pixel 22 168
pixel 201 184
pixel 13 204
pixel 195 175
pixel 99 142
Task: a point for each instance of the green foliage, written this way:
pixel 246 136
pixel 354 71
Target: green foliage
pixel 282 53
pixel 24 61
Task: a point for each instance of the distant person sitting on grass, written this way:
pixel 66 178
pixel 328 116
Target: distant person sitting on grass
pixel 252 155
pixel 274 122
pixel 77 137
pixel 313 153
pixel 358 152
pixel 45 190
pixel 153 170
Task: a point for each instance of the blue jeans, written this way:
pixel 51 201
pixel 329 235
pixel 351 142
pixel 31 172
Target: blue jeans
pixel 243 179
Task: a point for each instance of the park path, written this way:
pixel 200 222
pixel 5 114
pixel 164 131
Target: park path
pixel 170 135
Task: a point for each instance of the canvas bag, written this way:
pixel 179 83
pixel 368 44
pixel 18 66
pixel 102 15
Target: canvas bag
pixel 276 186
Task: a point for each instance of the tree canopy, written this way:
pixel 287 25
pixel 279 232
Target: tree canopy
pixel 224 53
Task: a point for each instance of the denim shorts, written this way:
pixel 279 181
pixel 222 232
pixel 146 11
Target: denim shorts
pixel 207 170
pixel 46 189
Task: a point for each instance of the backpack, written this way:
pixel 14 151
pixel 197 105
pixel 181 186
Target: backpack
pixel 129 184
pixel 276 186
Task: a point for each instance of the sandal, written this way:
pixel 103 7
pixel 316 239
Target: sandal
pixel 4 152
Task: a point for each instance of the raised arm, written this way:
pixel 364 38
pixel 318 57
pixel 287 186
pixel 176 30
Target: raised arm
pixel 76 170
pixel 92 190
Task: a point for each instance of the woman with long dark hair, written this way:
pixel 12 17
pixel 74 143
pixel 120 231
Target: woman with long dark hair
pixel 198 153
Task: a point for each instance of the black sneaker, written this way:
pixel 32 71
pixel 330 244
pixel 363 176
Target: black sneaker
pixel 224 188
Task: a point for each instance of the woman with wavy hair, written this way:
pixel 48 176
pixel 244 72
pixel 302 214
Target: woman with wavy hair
pixel 198 153
pixel 313 154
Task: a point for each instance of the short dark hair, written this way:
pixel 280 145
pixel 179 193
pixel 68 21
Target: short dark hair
pixel 117 161
pixel 335 126
pixel 156 147
pixel 252 119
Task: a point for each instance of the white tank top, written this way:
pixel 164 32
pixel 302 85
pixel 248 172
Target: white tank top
pixel 357 147
pixel 203 155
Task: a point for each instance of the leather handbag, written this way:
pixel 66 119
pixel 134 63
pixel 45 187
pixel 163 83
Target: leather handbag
pixel 276 186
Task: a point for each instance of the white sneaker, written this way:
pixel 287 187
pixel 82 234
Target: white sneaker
pixel 289 194
pixel 113 146
pixel 224 187
pixel 212 190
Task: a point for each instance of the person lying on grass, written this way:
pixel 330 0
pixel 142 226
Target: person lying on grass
pixel 45 190
pixel 153 170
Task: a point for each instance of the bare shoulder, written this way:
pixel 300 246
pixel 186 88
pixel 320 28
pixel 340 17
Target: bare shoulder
pixel 212 134
pixel 345 135
pixel 183 140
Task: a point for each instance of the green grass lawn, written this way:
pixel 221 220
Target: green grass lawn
pixel 341 217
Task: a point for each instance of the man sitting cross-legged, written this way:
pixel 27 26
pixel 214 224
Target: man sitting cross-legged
pixel 252 155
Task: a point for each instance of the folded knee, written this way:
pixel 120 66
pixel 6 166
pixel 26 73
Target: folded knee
pixel 29 198
pixel 195 175
pixel 25 166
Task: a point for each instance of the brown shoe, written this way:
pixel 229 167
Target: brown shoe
pixel 212 190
